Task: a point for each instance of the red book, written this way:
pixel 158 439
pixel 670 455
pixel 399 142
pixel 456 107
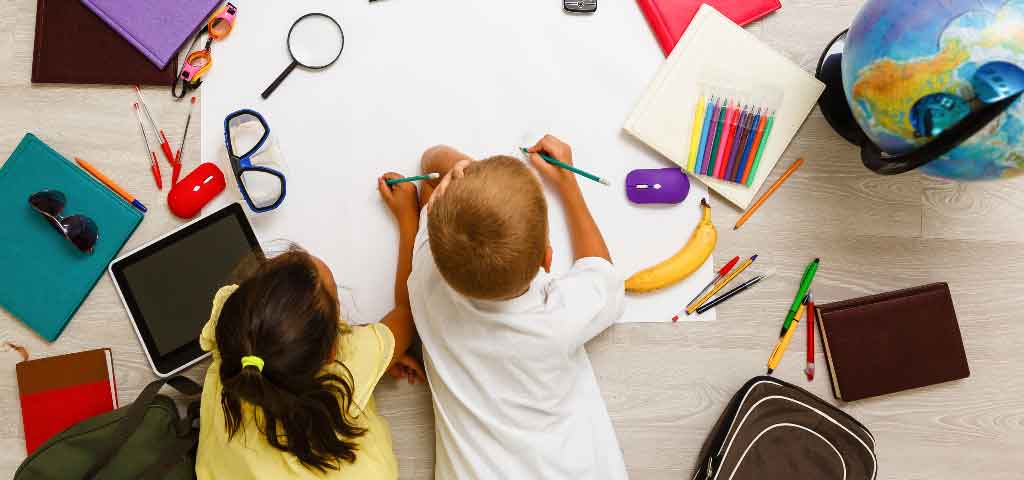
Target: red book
pixel 669 18
pixel 57 392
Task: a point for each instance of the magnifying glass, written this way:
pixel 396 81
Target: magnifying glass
pixel 315 41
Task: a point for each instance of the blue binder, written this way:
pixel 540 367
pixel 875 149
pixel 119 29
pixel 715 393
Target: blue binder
pixel 43 278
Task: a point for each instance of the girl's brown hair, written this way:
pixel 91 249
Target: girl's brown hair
pixel 284 313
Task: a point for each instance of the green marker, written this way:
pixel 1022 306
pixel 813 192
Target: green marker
pixel 568 167
pixel 429 176
pixel 760 150
pixel 805 285
pixel 710 171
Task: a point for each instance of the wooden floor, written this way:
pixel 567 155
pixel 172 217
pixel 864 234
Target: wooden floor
pixel 664 384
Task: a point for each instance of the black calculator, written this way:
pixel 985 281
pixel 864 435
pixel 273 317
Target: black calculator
pixel 580 6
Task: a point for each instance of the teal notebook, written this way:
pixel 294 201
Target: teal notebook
pixel 44 278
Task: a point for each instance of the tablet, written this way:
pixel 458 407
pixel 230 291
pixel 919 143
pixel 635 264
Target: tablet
pixel 168 285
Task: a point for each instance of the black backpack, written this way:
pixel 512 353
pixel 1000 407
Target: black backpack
pixel 774 430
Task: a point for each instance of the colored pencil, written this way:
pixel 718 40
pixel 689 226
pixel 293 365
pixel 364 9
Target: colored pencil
pixel 566 166
pixel 761 148
pixel 703 141
pixel 721 283
pixel 775 186
pixel 811 312
pixel 716 138
pixel 780 348
pixel 698 122
pixel 427 176
pixel 755 137
pixel 721 273
pixel 745 141
pixel 741 143
pixel 110 184
pixel 732 293
pixel 730 126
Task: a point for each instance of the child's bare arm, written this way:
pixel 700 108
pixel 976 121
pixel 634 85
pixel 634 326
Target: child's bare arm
pixel 439 159
pixel 401 200
pixel 587 240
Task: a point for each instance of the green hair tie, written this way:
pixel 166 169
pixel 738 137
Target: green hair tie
pixel 252 361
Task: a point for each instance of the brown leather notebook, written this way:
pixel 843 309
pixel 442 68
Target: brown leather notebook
pixel 892 342
pixel 73 45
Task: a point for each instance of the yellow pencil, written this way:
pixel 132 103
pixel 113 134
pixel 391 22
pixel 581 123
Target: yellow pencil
pixel 698 123
pixel 721 284
pixel 780 348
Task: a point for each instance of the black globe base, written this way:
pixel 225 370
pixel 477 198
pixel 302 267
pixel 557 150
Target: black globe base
pixel 833 102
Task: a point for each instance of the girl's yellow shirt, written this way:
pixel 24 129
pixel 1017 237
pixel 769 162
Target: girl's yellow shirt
pixel 366 352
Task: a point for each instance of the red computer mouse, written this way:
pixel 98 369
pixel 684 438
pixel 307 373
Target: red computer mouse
pixel 194 191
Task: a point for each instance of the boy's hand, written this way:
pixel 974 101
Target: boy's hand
pixel 457 171
pixel 408 367
pixel 401 199
pixel 561 151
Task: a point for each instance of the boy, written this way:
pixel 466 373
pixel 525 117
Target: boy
pixel 513 390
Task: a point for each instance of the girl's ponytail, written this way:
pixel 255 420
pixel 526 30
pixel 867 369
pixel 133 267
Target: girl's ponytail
pixel 275 334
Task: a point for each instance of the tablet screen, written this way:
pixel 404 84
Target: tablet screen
pixel 169 285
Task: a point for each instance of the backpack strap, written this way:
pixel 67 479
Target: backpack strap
pixel 135 414
pixel 879 162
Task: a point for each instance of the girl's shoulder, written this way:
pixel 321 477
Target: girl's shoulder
pixel 365 353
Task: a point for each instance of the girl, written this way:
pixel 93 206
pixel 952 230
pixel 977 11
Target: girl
pixel 289 392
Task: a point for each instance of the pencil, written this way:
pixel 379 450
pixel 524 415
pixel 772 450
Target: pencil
pixel 748 163
pixel 110 184
pixel 560 164
pixel 725 281
pixel 732 293
pixel 427 176
pixel 780 348
pixel 775 186
pixel 761 148
pixel 709 161
pixel 704 136
pixel 698 121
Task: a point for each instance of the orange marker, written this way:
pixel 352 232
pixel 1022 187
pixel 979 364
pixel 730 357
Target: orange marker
pixel 110 184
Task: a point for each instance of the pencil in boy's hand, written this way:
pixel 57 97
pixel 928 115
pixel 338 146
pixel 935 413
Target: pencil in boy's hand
pixel 426 176
pixel 566 166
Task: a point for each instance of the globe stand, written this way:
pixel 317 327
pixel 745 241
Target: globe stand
pixel 833 102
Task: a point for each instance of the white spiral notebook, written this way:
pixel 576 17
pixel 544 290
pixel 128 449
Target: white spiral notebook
pixel 663 118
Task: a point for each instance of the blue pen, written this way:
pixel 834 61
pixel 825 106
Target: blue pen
pixel 712 103
pixel 746 149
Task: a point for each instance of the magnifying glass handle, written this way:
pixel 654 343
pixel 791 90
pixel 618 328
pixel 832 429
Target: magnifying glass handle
pixel 280 78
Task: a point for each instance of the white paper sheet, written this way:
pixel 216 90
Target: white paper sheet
pixel 481 76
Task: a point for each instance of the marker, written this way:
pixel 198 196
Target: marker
pixel 568 167
pixel 805 285
pixel 428 176
pixel 110 184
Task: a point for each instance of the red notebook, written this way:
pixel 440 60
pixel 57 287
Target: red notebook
pixel 57 392
pixel 669 18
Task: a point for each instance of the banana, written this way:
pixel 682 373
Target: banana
pixel 683 263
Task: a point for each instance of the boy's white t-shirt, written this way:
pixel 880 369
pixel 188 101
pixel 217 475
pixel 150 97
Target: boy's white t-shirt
pixel 513 390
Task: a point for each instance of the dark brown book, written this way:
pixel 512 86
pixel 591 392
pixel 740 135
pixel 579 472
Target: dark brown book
pixel 73 45
pixel 892 342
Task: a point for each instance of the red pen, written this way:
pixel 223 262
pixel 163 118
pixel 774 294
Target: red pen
pixel 720 275
pixel 177 157
pixel 810 337
pixel 161 136
pixel 154 166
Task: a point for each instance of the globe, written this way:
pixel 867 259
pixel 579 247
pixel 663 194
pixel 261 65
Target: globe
pixel 899 51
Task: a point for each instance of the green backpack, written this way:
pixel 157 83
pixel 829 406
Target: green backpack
pixel 144 440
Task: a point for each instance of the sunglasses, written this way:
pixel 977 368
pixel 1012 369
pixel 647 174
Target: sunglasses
pixel 246 133
pixel 80 230
pixel 991 83
pixel 198 63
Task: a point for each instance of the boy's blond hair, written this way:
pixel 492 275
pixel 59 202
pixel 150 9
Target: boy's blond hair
pixel 489 231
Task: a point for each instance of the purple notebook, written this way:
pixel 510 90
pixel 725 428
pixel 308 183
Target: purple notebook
pixel 158 28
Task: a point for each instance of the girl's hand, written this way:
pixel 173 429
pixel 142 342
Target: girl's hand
pixel 409 368
pixel 401 199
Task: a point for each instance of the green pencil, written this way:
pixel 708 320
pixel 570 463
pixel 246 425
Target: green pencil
pixel 805 285
pixel 568 167
pixel 760 150
pixel 428 176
